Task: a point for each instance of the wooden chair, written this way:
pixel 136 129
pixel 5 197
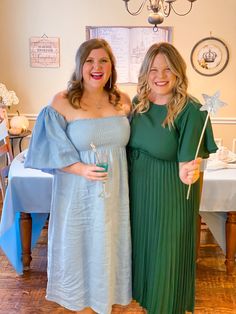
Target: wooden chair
pixel 6 153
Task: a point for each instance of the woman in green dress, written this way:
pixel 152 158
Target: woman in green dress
pixel 165 131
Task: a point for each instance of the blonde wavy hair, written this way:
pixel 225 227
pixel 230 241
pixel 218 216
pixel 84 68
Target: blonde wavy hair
pixel 75 85
pixel 177 66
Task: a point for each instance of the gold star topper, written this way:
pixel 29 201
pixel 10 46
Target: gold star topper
pixel 212 103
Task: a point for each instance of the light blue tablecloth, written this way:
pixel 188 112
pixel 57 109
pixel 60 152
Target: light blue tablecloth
pixel 29 191
pixel 218 198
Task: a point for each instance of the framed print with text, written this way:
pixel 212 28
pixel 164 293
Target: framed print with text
pixel 209 56
pixel 44 52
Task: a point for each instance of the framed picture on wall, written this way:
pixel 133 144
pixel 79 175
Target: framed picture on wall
pixel 129 45
pixel 209 56
pixel 44 52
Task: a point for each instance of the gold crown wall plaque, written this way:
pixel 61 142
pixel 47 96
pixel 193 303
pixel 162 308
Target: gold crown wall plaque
pixel 209 56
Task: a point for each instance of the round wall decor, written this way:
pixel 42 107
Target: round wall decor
pixel 209 56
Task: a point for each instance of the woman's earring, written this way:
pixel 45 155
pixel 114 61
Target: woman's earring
pixel 110 82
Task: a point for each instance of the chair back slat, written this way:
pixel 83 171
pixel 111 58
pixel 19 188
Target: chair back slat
pixel 3 179
pixel 5 150
pixel 3 130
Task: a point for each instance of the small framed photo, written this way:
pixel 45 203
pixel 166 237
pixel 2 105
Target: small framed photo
pixel 209 56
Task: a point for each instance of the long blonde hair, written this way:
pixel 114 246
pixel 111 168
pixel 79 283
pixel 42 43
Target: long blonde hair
pixel 75 86
pixel 177 66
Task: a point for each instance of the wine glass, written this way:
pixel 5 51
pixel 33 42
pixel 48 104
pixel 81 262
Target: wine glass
pixel 102 161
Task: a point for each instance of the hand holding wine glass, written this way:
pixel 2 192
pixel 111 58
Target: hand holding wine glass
pixel 102 162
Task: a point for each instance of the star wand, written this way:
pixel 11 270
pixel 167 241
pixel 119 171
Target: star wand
pixel 212 104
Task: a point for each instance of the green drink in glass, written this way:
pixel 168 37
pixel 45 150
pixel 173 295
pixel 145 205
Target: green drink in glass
pixel 102 161
pixel 103 165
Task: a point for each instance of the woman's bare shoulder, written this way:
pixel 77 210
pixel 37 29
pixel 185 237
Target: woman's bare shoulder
pixel 125 102
pixel 60 102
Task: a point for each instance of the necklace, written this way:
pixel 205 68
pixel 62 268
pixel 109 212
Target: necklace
pixel 97 103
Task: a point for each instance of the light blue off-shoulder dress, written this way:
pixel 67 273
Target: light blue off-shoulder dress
pixel 89 263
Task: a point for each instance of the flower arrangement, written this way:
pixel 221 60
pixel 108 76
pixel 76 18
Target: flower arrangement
pixel 7 98
pixel 18 124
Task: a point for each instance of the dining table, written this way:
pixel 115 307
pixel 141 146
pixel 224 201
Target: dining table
pixel 28 200
pixel 26 207
pixel 218 208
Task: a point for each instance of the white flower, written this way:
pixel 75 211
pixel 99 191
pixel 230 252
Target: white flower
pixel 7 98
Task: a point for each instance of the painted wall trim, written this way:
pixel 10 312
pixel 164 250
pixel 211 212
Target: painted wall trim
pixel 29 116
pixel 218 120
pixel 223 120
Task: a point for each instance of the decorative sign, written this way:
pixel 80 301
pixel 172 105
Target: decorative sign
pixel 209 56
pixel 44 52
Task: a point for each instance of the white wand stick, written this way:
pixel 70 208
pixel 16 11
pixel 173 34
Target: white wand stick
pixel 198 147
pixel 212 104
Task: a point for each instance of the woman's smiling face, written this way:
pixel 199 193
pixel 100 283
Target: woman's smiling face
pixel 161 80
pixel 96 69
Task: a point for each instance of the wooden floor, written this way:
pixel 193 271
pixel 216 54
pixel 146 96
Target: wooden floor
pixel 215 291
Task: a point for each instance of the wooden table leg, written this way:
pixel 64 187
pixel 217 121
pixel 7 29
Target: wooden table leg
pixel 26 233
pixel 230 230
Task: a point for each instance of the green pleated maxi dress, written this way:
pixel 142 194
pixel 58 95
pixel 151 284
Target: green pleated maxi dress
pixel 163 221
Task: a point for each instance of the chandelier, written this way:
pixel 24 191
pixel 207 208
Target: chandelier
pixel 159 10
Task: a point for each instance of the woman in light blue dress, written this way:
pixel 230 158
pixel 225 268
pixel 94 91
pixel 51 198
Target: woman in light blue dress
pixel 89 263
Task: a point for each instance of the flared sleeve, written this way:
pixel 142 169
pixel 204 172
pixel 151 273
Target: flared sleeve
pixel 50 148
pixel 189 125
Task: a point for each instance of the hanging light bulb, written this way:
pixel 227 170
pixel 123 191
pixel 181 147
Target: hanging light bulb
pixel 159 10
